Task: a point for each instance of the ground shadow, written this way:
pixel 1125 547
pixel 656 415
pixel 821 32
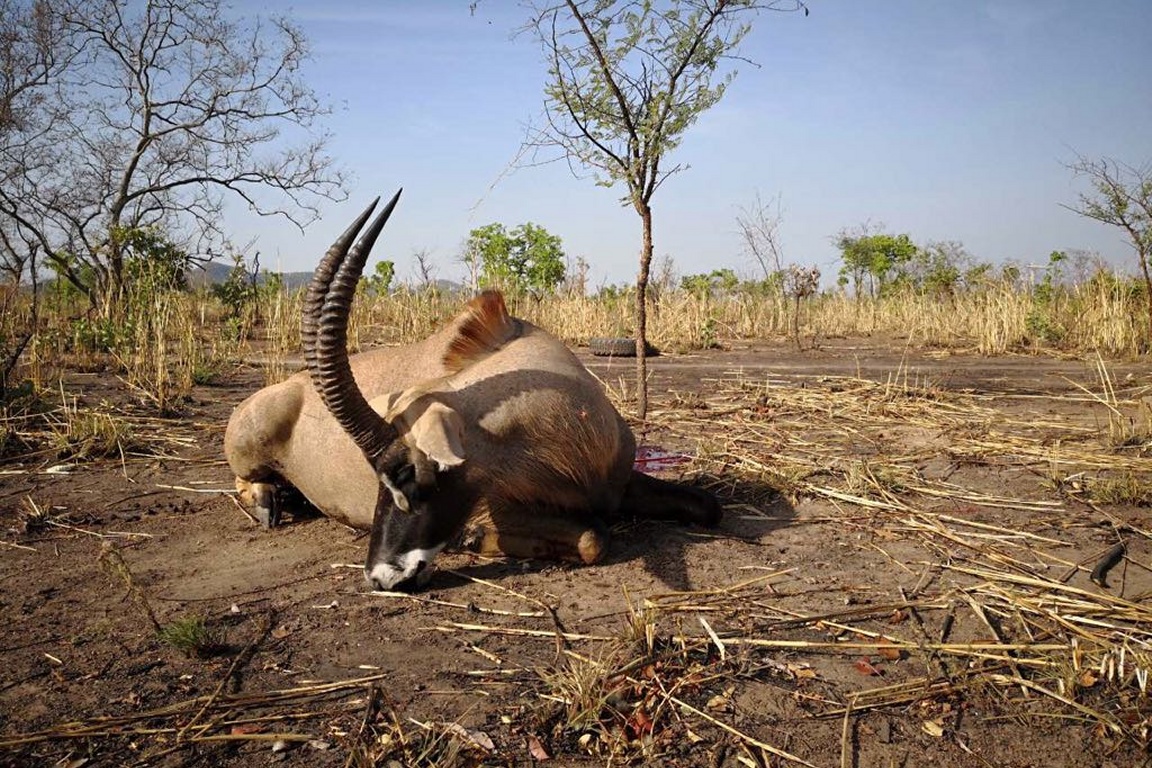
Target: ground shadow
pixel 295 506
pixel 753 510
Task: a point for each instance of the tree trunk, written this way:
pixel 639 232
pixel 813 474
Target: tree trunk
pixel 796 321
pixel 114 291
pixel 1143 255
pixel 642 312
pixel 8 365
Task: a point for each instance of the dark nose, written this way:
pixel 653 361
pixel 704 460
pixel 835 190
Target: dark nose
pixel 413 582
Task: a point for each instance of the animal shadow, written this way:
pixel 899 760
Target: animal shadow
pixel 752 511
pixel 295 505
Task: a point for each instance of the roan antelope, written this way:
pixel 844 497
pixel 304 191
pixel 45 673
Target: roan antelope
pixel 489 433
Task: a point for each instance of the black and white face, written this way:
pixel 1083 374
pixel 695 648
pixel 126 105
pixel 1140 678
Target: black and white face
pixel 417 514
pixel 401 549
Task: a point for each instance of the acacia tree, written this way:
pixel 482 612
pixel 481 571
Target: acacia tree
pixel 163 109
pixel 626 80
pixel 1122 197
pixel 527 259
pixel 873 257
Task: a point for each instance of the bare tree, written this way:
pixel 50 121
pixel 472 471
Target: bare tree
pixel 665 281
pixel 1121 197
pixel 164 109
pixel 32 52
pixel 759 226
pixel 13 338
pixel 19 254
pixel 575 284
pixel 625 82
pixel 425 268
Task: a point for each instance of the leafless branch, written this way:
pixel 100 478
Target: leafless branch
pixel 759 226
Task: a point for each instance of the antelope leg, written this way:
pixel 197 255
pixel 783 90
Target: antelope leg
pixel 544 535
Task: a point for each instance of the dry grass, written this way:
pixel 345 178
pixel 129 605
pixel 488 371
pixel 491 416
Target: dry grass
pixel 40 434
pixel 992 320
pixel 168 342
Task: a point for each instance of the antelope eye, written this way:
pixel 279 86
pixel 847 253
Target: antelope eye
pixel 405 474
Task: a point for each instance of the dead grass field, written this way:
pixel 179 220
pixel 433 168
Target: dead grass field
pixel 903 578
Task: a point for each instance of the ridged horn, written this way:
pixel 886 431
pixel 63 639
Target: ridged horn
pixel 324 331
pixel 321 280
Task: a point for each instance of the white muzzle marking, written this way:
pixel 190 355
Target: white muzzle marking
pixel 414 562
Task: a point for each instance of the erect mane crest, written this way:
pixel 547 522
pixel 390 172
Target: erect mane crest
pixel 484 328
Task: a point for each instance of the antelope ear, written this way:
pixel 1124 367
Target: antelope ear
pixel 439 433
pixel 386 405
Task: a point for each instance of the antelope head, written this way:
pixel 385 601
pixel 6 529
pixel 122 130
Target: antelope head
pixel 417 452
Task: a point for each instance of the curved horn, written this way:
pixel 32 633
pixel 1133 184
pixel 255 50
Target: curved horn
pixel 321 280
pixel 324 329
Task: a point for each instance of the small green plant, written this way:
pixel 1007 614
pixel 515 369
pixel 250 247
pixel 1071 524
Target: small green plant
pixel 380 283
pixel 1041 322
pixel 1041 326
pixel 238 290
pixel 87 434
pixel 102 334
pixel 192 636
pixel 205 373
pixel 708 335
pixel 1127 489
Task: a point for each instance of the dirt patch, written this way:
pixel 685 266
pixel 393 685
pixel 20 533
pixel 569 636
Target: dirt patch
pixel 904 561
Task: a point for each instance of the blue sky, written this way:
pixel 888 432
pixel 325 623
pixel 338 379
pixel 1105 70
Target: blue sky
pixel 945 119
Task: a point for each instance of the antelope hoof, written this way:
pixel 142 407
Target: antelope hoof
pixel 260 498
pixel 591 546
pixel 268 515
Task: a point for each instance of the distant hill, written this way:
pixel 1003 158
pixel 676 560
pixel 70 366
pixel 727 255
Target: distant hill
pixel 207 274
pixel 215 272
